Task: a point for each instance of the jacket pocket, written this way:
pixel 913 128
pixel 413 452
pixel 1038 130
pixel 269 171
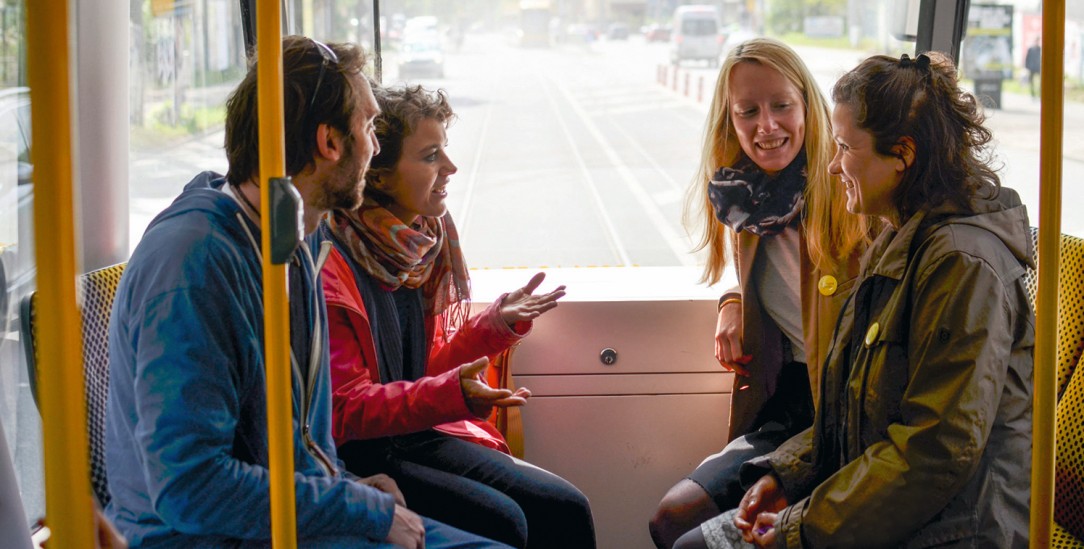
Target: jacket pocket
pixel 885 384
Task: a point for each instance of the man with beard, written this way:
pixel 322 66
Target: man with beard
pixel 186 427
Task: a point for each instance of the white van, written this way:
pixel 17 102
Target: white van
pixel 696 34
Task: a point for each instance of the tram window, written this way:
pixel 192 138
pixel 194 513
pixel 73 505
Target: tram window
pixel 185 58
pixel 574 150
pixel 19 416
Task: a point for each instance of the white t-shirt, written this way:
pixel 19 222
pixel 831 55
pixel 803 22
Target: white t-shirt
pixel 778 279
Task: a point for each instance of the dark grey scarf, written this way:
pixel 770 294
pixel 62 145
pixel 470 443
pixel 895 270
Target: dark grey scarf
pixel 746 198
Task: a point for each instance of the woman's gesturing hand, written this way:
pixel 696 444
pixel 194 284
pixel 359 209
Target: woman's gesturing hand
pixel 480 397
pixel 521 305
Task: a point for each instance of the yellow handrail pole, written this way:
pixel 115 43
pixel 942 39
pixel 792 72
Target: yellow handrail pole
pixel 276 308
pixel 63 403
pixel 1044 443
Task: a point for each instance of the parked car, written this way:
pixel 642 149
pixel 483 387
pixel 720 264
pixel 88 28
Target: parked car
pixel 696 35
pixel 421 57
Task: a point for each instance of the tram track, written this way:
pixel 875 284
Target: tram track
pixel 674 241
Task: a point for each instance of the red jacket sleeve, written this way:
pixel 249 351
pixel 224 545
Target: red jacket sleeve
pixel 484 334
pixel 362 407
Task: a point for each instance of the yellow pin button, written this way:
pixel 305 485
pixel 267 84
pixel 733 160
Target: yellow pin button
pixel 827 285
pixel 871 334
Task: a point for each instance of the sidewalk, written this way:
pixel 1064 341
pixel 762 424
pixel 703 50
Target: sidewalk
pixel 1018 120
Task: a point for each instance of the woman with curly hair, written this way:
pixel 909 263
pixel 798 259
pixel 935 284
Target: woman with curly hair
pixel 923 436
pixel 409 395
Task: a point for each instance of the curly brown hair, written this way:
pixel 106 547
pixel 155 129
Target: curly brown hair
pixel 921 98
pixel 401 109
pixel 340 91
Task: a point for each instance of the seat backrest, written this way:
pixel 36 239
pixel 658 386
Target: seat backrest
pixel 1070 303
pixel 1069 429
pixel 1069 463
pixel 95 291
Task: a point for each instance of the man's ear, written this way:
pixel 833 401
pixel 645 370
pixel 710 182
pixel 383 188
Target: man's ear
pixel 904 149
pixel 329 143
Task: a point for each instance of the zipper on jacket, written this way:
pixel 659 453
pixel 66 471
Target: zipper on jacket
pixel 306 429
pixel 310 445
pixel 310 383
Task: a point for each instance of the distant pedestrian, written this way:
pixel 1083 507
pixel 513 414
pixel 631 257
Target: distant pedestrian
pixel 1033 62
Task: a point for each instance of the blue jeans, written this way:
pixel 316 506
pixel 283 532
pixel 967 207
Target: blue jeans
pixel 437 536
pixel 478 489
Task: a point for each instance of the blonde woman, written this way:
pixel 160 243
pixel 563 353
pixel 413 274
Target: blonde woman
pixel 764 200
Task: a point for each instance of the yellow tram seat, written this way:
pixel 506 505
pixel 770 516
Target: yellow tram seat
pixel 96 290
pixel 1069 468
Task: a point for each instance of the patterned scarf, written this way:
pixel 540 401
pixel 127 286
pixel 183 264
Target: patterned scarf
pixel 745 197
pixel 426 255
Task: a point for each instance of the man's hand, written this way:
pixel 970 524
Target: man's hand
pixel 108 535
pixel 480 397
pixel 385 484
pixel 765 497
pixel 407 529
pixel 521 305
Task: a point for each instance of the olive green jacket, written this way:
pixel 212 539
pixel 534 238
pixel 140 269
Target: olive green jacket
pixel 923 436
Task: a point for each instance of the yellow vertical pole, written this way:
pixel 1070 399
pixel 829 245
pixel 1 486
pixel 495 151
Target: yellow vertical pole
pixel 68 502
pixel 276 308
pixel 1044 443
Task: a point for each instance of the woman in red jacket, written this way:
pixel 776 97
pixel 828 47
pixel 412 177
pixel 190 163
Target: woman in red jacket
pixel 406 362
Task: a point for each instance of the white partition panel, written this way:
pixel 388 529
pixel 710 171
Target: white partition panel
pixel 623 433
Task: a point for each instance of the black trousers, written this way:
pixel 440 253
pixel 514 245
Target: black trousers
pixel 788 412
pixel 478 489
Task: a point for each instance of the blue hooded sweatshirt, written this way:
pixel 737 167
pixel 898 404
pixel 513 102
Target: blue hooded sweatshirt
pixel 186 425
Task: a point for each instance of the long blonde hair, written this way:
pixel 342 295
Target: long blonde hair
pixel 831 233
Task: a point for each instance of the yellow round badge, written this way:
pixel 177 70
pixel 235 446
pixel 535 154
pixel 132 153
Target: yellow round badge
pixel 827 285
pixel 871 334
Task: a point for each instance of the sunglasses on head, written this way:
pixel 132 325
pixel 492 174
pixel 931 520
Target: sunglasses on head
pixel 329 57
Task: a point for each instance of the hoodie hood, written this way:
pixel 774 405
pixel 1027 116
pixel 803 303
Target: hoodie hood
pixel 202 193
pixel 1002 215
